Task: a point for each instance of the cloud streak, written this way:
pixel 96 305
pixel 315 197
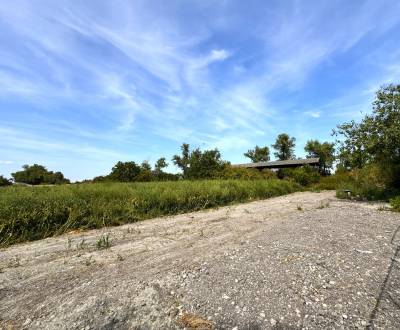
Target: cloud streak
pixel 107 79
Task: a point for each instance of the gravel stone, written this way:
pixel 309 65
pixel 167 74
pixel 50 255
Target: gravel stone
pixel 260 265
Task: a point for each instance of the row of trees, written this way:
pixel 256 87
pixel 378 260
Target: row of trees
pixel 373 141
pixel 284 150
pixel 130 172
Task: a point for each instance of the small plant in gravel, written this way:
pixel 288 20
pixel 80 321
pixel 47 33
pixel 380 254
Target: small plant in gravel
pixel 104 242
pixel 395 203
pixel 81 245
pixel 323 205
pixel 299 207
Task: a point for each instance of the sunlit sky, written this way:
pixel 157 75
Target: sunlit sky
pixel 84 84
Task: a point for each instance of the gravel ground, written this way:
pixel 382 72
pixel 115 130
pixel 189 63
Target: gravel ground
pixel 305 260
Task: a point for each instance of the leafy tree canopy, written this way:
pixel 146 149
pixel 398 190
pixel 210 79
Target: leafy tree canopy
pixel 198 164
pixel 38 174
pixel 125 172
pixel 258 154
pixel 284 146
pixel 376 139
pixel 324 151
pixel 160 164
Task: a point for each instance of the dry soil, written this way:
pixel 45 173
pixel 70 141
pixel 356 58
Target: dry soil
pixel 305 260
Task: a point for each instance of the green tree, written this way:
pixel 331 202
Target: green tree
pixel 284 146
pixel 376 139
pixel 324 151
pixel 197 164
pixel 182 161
pixel 125 172
pixel 4 181
pixel 38 174
pixel 258 154
pixel 160 165
pixel 145 172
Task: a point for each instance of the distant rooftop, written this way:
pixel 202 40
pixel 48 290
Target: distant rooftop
pixel 281 163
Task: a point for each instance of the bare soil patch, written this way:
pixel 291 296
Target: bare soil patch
pixel 305 260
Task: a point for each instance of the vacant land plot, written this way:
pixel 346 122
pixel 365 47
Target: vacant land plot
pixel 30 213
pixel 305 260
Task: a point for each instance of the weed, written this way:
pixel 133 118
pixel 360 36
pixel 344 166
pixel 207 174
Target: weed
pixel 299 207
pixel 323 205
pixel 14 262
pixel 104 242
pixel 69 243
pixel 81 245
pixel 119 257
pixel 89 261
pixel 395 203
pixel 28 214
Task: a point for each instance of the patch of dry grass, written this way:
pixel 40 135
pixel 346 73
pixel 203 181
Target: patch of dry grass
pixel 192 321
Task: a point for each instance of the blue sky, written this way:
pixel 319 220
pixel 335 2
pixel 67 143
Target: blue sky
pixel 84 84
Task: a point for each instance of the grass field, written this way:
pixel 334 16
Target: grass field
pixel 31 213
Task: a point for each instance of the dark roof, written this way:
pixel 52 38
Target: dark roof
pixel 281 163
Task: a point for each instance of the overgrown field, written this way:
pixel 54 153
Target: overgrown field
pixel 31 213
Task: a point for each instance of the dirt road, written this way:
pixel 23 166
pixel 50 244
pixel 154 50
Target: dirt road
pixel 305 260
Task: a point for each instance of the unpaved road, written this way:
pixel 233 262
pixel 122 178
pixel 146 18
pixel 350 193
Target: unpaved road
pixel 265 264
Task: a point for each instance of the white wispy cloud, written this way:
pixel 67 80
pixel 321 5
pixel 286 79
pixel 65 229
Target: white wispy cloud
pixel 140 73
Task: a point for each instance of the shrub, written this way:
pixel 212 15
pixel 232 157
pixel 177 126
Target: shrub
pixel 4 181
pixel 233 172
pixel 395 202
pixel 371 182
pixel 305 175
pixel 38 174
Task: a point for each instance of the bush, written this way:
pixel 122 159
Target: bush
pixel 371 183
pixel 395 202
pixel 333 182
pixel 38 174
pixel 30 213
pixel 233 172
pixel 305 175
pixel 4 181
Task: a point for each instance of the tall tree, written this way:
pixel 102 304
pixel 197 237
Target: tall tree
pixel 197 164
pixel 376 139
pixel 324 151
pixel 284 146
pixel 160 164
pixel 125 172
pixel 182 161
pixel 258 154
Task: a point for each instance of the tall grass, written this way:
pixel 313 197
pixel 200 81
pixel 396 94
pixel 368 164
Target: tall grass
pixel 31 213
pixel 395 202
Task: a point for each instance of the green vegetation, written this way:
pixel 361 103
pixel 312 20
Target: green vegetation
pixel 4 181
pixel 38 174
pixel 197 164
pixel 395 203
pixel 368 168
pixel 258 154
pixel 30 213
pixel 284 146
pixel 370 150
pixel 324 151
pixel 104 242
